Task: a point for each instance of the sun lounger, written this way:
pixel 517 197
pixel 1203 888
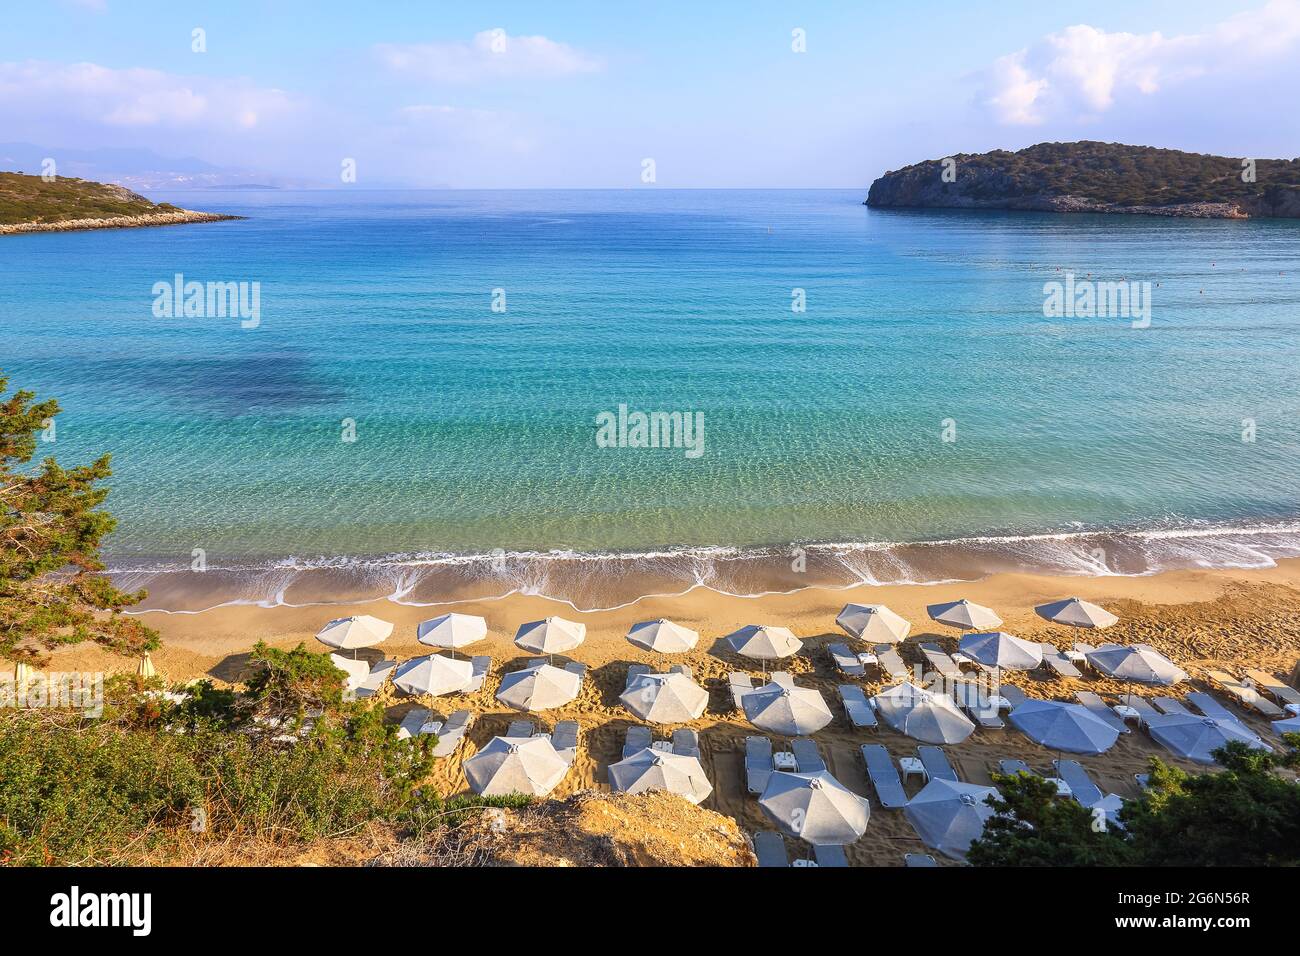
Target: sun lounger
pixel 1013 694
pixel 884 777
pixel 565 740
pixel 1012 767
pixel 520 728
pixel 356 670
pixel 452 734
pixel 940 662
pixel 856 705
pixel 1245 695
pixel 846 660
pixel 1058 663
pixel 1282 692
pixel 681 669
pixel 1081 786
pixel 1143 780
pixel 686 742
pixel 372 684
pixel 831 854
pixel 1211 707
pixel 807 756
pixel 740 686
pixel 919 859
pixel 936 764
pixel 770 849
pixel 1097 707
pixel 1143 707
pixel 418 720
pixel 536 662
pixel 638 739
pixel 971 698
pixel 636 670
pixel 1170 706
pixel 481 666
pixel 890 664
pixel 783 678
pixel 1083 648
pixel 758 763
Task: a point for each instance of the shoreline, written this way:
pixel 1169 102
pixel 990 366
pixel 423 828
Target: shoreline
pixel 182 217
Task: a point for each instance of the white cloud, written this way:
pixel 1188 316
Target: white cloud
pixel 135 97
pixel 1083 71
pixel 492 54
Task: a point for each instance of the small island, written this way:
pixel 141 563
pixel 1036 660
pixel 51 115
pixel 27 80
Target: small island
pixel 34 204
pixel 1098 178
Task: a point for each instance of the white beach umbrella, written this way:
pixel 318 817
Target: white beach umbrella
pixel 663 637
pixel 1196 738
pixel 1075 612
pixel 815 807
pixel 785 709
pixel 433 674
pixel 665 698
pixel 949 815
pixel 764 643
pixel 554 635
pixel 350 633
pixel 874 623
pixel 540 687
pixel 1063 727
pixel 1138 663
pixel 23 673
pixel 923 714
pixel 1001 650
pixel 145 667
pixel 452 631
pixel 528 765
pixel 651 769
pixel 964 615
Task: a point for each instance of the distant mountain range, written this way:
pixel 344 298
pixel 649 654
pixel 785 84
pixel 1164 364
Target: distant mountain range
pixel 1098 177
pixel 142 169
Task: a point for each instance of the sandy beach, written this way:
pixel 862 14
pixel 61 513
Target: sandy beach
pixel 1201 619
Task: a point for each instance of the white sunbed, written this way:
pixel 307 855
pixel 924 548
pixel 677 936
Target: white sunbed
pixel 1097 707
pixel 418 720
pixel 978 705
pixel 856 705
pixel 482 665
pixel 1012 767
pixel 890 664
pixel 940 662
pixel 686 742
pixel 1280 691
pixel 758 763
pixel 1246 695
pixel 453 733
pixel 683 670
pixel 1170 707
pixel 565 740
pixel 1080 783
pixel 635 671
pixel 375 681
pixel 782 678
pixel 919 859
pixel 520 728
pixel 1058 663
pixel 884 777
pixel 846 660
pixel 807 756
pixel 770 849
pixel 936 764
pixel 356 670
pixel 830 854
pixel 740 686
pixel 639 737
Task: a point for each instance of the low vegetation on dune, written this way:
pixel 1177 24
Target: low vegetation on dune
pixel 33 199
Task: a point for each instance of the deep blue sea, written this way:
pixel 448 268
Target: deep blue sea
pixel 1078 444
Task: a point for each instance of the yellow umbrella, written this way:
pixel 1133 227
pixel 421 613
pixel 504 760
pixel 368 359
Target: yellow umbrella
pixel 146 668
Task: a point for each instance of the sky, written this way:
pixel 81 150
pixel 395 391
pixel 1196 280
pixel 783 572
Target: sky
pixel 577 94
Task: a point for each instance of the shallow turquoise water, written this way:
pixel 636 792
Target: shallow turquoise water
pixel 476 429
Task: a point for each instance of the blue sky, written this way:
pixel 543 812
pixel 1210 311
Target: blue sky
pixel 578 94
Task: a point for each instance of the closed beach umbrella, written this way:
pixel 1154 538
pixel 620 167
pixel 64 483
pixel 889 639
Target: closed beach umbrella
pixel 787 710
pixel 146 668
pixel 1076 613
pixel 1139 663
pixel 964 615
pixel 815 807
pixel 528 765
pixel 350 633
pixel 22 673
pixel 665 698
pixel 651 769
pixel 923 714
pixel 1063 727
pixel 551 636
pixel 949 815
pixel 451 631
pixel 1001 650
pixel 764 643
pixel 874 623
pixel 663 637
pixel 539 688
pixel 1196 738
pixel 433 674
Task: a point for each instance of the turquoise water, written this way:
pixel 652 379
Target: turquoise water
pixel 476 429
